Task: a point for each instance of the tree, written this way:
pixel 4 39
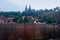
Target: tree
pixel 50 20
pixel 20 21
pixel 15 19
pixel 46 10
pixel 26 20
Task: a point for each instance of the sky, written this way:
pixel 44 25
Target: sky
pixel 19 5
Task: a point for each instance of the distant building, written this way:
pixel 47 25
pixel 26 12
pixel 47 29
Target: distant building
pixel 30 17
pixel 37 22
pixel 9 20
pixel 3 19
pixel 23 17
pixel 29 9
pixel 26 8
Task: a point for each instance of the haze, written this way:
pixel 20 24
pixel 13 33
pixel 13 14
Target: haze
pixel 19 5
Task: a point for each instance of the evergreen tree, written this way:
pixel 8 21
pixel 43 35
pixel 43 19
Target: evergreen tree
pixel 50 20
pixel 15 19
pixel 20 20
pixel 26 20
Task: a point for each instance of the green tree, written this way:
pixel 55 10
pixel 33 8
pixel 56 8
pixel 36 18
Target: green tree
pixel 20 21
pixel 26 20
pixel 15 19
pixel 50 20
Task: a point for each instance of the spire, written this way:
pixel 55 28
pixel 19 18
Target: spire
pixel 26 8
pixel 29 9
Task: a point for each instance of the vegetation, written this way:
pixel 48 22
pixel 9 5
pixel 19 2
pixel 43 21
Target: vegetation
pixel 15 19
pixel 48 16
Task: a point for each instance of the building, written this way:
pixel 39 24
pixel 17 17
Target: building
pixel 28 8
pixel 4 20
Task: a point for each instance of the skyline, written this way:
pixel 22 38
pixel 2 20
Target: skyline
pixel 19 5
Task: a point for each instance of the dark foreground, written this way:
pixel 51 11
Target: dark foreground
pixel 29 31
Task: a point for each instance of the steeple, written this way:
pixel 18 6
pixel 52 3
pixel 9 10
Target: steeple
pixel 29 9
pixel 26 8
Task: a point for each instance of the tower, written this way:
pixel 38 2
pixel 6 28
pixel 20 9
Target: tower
pixel 26 8
pixel 29 9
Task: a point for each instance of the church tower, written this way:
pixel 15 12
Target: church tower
pixel 29 9
pixel 26 8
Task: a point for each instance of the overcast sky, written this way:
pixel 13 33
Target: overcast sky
pixel 19 5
